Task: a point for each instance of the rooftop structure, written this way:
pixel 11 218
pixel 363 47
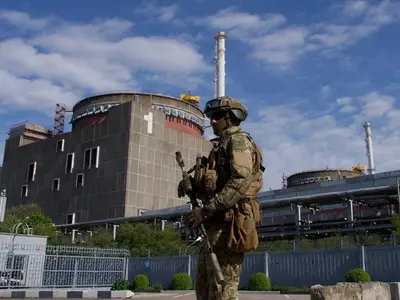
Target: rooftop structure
pixel 321 175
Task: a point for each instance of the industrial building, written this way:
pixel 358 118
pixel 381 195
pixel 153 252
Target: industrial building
pixel 117 165
pixel 117 161
pixel 309 177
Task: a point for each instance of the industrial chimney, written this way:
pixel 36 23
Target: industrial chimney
pixel 219 79
pixel 370 152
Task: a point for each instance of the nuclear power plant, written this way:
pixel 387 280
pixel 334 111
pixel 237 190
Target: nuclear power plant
pixel 117 164
pixel 119 158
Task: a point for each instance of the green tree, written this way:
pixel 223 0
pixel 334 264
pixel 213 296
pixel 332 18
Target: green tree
pixel 396 223
pixel 100 238
pixel 40 224
pixel 140 238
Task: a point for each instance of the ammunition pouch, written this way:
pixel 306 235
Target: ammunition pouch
pixel 210 182
pixel 245 216
pixel 205 176
pixel 198 177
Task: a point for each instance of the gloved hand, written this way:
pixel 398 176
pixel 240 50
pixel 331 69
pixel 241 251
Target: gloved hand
pixel 181 189
pixel 195 218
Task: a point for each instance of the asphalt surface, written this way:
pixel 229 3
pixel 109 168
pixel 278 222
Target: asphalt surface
pixel 191 296
pixel 242 296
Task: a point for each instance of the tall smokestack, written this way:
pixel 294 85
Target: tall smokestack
pixel 370 152
pixel 219 58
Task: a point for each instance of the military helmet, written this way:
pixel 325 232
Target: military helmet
pixel 225 103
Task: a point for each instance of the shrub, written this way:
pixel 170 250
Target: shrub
pixel 291 289
pixel 140 282
pixel 357 275
pixel 259 282
pixel 121 285
pixel 181 281
pixel 158 287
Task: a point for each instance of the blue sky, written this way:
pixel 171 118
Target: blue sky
pixel 310 72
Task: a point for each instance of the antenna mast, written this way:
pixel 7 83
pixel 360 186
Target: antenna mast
pixel 219 59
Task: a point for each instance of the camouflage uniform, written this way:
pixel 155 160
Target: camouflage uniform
pixel 238 165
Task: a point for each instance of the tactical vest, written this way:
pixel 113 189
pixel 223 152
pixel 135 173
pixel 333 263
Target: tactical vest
pixel 217 171
pixel 246 214
pixel 223 165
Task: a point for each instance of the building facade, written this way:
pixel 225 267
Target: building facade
pixel 118 159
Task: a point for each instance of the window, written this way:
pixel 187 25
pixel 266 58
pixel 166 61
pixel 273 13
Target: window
pixel 31 172
pixel 56 184
pixel 91 158
pixel 60 145
pixel 69 164
pixel 94 160
pixel 24 191
pixel 71 218
pixel 86 163
pixel 79 179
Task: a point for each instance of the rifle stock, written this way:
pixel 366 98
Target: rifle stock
pixel 193 200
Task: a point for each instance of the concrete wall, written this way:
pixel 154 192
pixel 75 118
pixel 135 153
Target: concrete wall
pixel 136 167
pixel 153 174
pixel 102 195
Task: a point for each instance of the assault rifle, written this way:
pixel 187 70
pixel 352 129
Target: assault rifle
pixel 193 200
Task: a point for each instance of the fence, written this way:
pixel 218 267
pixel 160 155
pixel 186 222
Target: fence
pixel 33 266
pixel 291 268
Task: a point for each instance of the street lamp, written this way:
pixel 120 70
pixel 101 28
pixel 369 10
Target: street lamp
pixel 16 226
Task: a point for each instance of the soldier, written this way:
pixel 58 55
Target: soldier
pixel 230 210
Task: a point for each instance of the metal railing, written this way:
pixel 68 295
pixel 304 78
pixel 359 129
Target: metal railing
pixel 39 266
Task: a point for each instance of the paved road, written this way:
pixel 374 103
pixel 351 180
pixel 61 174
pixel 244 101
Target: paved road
pixel 242 296
pixel 191 296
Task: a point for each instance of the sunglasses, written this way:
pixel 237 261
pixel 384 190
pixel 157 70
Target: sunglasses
pixel 217 116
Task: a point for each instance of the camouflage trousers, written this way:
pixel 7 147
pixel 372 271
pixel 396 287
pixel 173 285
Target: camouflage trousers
pixel 231 265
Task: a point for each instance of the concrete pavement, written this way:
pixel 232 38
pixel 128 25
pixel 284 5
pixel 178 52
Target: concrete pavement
pixel 170 295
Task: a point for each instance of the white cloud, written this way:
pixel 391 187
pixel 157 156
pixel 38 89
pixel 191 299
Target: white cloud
pixel 240 24
pixel 325 91
pixel 63 61
pixel 165 13
pixel 279 44
pixel 376 105
pixel 355 8
pixel 293 141
pixel 23 20
pixel 346 104
pixel 32 94
pixel 344 100
pixel 280 47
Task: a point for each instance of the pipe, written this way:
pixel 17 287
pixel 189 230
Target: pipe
pixel 219 58
pixel 370 152
pixel 325 198
pixel 267 234
pixel 274 203
pixel 215 80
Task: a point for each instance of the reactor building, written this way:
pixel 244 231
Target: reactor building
pixel 117 161
pixel 322 175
